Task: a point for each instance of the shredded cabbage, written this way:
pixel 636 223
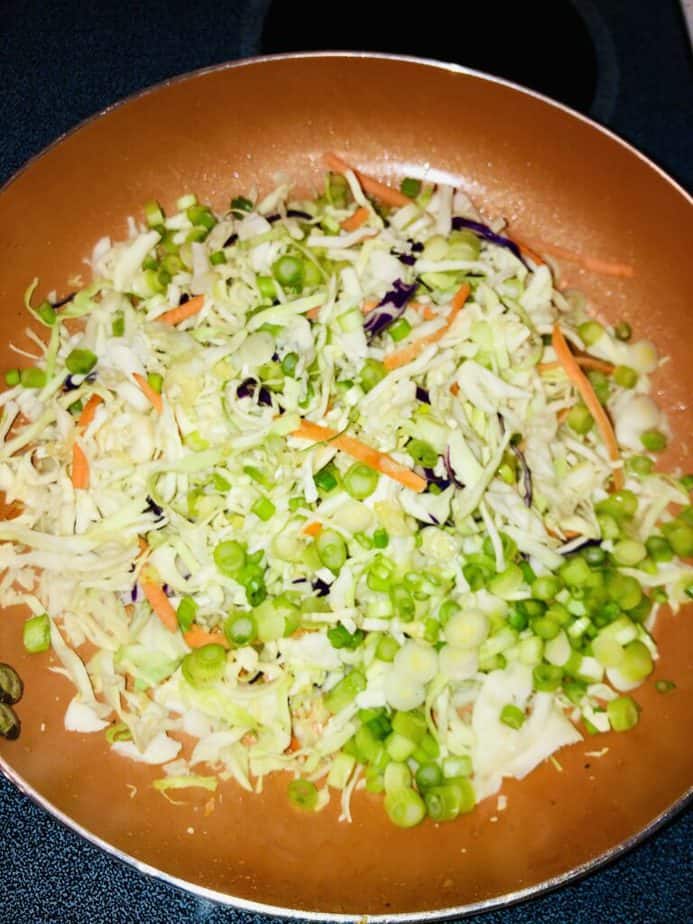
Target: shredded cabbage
pixel 363 623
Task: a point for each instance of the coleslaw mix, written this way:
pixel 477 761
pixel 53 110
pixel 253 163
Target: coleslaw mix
pixel 308 481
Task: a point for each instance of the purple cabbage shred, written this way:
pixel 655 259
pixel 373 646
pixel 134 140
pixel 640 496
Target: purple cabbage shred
pixel 248 388
pixel 422 395
pixel 390 307
pixel 297 213
pixel 488 235
pixel 321 588
pixel 526 476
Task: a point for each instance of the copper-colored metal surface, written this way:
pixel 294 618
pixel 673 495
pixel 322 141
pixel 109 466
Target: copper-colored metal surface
pixel 553 175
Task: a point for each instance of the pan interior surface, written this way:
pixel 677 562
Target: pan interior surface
pixel 553 176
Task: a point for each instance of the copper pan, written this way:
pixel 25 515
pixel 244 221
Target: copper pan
pixel 554 175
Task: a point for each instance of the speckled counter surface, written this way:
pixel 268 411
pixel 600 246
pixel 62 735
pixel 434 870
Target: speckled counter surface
pixel 60 62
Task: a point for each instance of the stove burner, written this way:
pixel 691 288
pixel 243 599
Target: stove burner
pixel 547 46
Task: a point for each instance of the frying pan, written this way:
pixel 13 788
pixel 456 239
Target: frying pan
pixel 554 175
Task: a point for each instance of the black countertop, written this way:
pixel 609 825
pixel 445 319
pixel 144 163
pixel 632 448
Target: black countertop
pixel 61 62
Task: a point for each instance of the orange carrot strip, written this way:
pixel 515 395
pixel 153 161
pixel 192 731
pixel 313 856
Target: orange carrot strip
pixel 412 350
pixel 378 461
pixel 454 389
pixel 160 603
pixel 594 264
pixel 294 745
pixel 88 411
pixel 369 305
pixel 563 413
pixel 528 252
pixel 80 468
pixel 196 637
pixel 312 529
pixel 182 312
pixel 583 385
pixel 155 399
pixel 359 217
pixel 369 184
pixel 313 313
pixel 585 362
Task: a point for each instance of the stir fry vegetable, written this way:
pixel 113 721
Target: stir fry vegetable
pixel 344 487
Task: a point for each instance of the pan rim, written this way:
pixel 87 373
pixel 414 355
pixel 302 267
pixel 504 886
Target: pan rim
pixel 442 914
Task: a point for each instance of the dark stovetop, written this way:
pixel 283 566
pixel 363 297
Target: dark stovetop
pixel 624 62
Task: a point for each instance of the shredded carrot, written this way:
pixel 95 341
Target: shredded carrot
pixel 582 383
pixel 563 413
pixel 359 217
pixel 425 310
pixel 454 389
pixel 528 252
pixel 369 184
pixel 196 637
pixel 312 529
pixel 312 313
pixel 80 468
pixel 585 362
pixel 88 411
pixel 80 463
pixel 412 350
pixel 160 603
pixel 155 399
pixel 182 312
pixel 378 461
pixel 369 305
pixel 567 533
pixel 594 264
pixel 294 744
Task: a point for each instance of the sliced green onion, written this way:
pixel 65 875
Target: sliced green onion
pixel 186 613
pixel 326 478
pixel 623 713
pixel 32 377
pixel 345 691
pixel 289 363
pixel 118 732
pixel 428 775
pixel 400 329
pixel 381 539
pixel 202 216
pixel 360 481
pixel 80 362
pixel 579 419
pixel 665 686
pixel 640 465
pixel 153 213
pixel 240 204
pixel 37 634
pixel 372 372
pixel 264 508
pixel 512 716
pixel 204 665
pixel 289 271
pixel 155 381
pixel 590 332
pixel 547 677
pixel 422 453
pixel 410 187
pixel 625 376
pixel 405 807
pixel 217 258
pixel 229 557
pixel 46 313
pixel 653 440
pixel 387 648
pixel 629 552
pixel 118 326
pixel 240 629
pixel 12 377
pixel 331 549
pixel 303 794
